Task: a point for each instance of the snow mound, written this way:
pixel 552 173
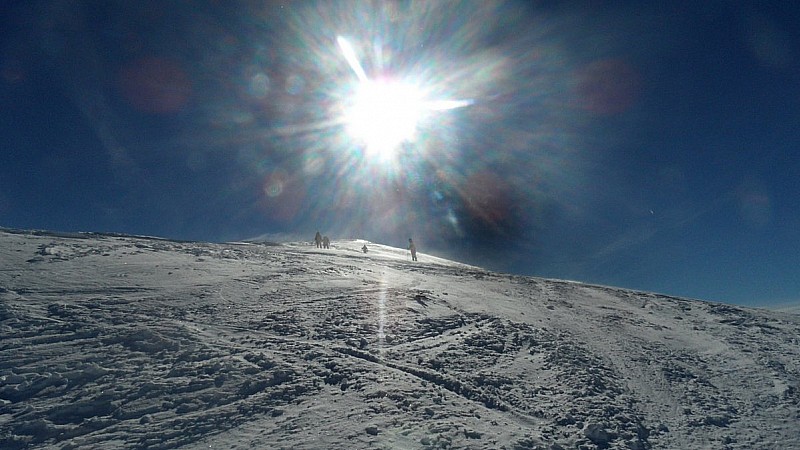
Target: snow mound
pixel 113 341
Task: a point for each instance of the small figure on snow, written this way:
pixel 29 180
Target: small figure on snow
pixel 326 242
pixel 364 248
pixel 413 249
pixel 318 239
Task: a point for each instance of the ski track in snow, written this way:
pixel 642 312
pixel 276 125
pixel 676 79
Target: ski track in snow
pixel 113 341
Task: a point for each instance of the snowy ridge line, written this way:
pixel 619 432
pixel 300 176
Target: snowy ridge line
pixel 265 243
pixel 618 290
pixel 113 234
pixel 793 308
pixel 377 252
pixel 86 234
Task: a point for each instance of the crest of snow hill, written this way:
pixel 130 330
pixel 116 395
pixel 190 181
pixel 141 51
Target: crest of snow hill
pixel 113 341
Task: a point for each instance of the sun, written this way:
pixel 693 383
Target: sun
pixel 384 114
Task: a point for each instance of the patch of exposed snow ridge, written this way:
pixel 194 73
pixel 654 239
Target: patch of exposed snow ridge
pixel 113 341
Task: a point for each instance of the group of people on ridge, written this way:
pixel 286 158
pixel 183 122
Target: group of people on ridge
pixel 324 242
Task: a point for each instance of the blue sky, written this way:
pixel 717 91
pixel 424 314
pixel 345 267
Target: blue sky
pixel 644 146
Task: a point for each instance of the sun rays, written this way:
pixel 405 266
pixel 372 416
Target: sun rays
pixel 384 113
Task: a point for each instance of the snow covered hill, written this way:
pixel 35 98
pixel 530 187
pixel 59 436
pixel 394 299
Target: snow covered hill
pixel 791 308
pixel 113 341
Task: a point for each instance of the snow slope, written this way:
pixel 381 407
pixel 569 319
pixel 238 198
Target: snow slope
pixel 791 308
pixel 113 341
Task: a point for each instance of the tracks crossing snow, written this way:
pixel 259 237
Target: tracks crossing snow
pixel 126 342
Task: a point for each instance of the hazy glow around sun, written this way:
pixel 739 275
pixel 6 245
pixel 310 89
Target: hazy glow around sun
pixel 384 114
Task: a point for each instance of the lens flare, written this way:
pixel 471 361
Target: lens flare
pixel 350 55
pixel 385 113
pixel 409 118
pixel 282 195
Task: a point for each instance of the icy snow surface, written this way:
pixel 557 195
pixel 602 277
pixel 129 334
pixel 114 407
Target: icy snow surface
pixel 112 341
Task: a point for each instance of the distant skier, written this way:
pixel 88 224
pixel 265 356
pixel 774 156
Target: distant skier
pixel 326 242
pixel 318 240
pixel 413 249
pixel 364 248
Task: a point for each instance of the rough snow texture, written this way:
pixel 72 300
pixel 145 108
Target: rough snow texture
pixel 131 342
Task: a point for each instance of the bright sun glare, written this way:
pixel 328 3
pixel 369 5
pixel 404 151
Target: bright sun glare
pixel 385 113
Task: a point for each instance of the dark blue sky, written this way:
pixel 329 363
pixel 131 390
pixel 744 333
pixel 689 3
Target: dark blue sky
pixel 645 146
